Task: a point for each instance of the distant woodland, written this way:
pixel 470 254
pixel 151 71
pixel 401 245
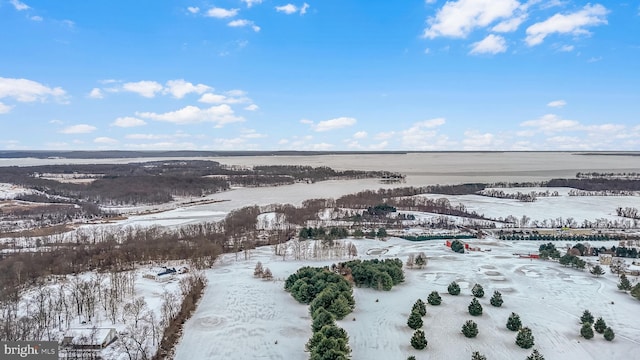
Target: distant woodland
pixel 156 182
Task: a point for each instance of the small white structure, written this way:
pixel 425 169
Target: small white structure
pixel 89 338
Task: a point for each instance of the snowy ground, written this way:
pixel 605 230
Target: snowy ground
pixel 578 207
pixel 241 317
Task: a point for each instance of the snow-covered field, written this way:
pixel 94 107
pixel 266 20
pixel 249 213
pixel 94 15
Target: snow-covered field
pixel 578 207
pixel 241 317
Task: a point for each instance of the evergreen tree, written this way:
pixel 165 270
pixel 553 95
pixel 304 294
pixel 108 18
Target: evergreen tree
pixel 608 334
pixel 418 341
pixel 475 308
pixel 321 317
pixel 496 299
pixel 419 307
pixel 453 288
pixel 535 355
pixel 470 329
pixel 635 291
pixel 578 263
pixel 600 325
pixel 340 307
pixel 525 338
pixel 597 271
pixel 586 318
pixel 586 331
pixel 477 356
pixel 514 323
pixel 434 298
pixel 411 357
pixel 415 320
pixel 382 233
pixel 624 284
pixel 477 291
pixel 421 260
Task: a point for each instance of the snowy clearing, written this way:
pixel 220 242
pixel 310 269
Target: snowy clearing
pixel 241 317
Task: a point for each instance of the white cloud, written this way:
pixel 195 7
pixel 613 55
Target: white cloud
pixel 492 44
pixel 250 3
pixel 306 121
pixel 56 121
pixel 459 18
pixel 292 9
pixel 36 18
pixel 243 23
pixel 128 121
pixel 430 123
pixel 475 140
pixel 252 134
pixel 19 5
pixel 566 48
pixel 220 115
pixel 360 135
pixel 210 98
pixel 78 129
pixel 221 13
pixel 321 146
pixel 557 103
pixel 5 108
pixel 252 107
pixel 572 23
pixel 24 90
pixel 166 145
pixel 333 124
pixel 147 89
pixel 287 9
pixel 429 1
pixel 105 140
pixel 422 135
pixel 236 93
pixel 551 123
pixel 193 9
pixel 509 25
pixel 96 93
pixel 384 135
pixel 179 88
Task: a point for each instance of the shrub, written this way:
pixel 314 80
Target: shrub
pixel 418 341
pixel 419 307
pixel 586 331
pixel 600 325
pixel 535 355
pixel 477 291
pixel 525 338
pixel 586 317
pixel 477 356
pixel 453 288
pixel 496 299
pixel 609 334
pixel 415 320
pixel 434 298
pixel 470 329
pixel 514 323
pixel 475 308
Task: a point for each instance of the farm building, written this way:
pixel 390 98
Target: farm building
pixel 89 338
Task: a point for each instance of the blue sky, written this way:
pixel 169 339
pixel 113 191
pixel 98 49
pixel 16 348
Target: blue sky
pixel 319 75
